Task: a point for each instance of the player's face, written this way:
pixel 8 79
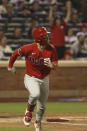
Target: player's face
pixel 45 39
pixel 42 46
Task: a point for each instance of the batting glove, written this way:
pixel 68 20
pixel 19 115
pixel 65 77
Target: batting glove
pixel 48 62
pixel 12 70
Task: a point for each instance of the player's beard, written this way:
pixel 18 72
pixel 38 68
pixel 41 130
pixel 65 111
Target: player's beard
pixel 44 42
pixel 41 46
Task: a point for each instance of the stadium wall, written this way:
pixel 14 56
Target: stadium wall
pixel 69 80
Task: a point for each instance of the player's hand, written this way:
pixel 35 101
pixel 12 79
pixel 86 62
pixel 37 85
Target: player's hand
pixel 13 70
pixel 48 62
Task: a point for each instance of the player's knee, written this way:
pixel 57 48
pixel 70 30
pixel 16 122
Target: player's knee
pixel 36 95
pixel 42 107
pixel 42 110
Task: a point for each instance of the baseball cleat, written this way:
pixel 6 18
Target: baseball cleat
pixel 38 126
pixel 27 118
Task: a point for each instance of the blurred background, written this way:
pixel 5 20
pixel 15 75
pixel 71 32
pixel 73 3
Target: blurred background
pixel 67 23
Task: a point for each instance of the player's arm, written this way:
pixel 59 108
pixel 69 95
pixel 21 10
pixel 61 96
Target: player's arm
pixel 15 55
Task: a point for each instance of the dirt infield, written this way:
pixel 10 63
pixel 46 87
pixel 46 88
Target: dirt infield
pixel 75 123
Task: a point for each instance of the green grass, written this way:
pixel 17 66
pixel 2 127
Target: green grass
pixel 15 107
pixel 67 107
pixel 52 107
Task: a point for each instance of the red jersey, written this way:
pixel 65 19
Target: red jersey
pixel 35 59
pixel 58 35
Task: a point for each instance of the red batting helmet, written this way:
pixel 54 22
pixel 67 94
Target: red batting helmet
pixel 40 35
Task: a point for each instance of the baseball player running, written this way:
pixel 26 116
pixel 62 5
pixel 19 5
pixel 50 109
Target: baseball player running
pixel 40 58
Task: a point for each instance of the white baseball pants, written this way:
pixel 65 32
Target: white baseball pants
pixel 38 93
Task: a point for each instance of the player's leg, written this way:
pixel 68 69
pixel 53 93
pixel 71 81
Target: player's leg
pixel 41 103
pixel 33 87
